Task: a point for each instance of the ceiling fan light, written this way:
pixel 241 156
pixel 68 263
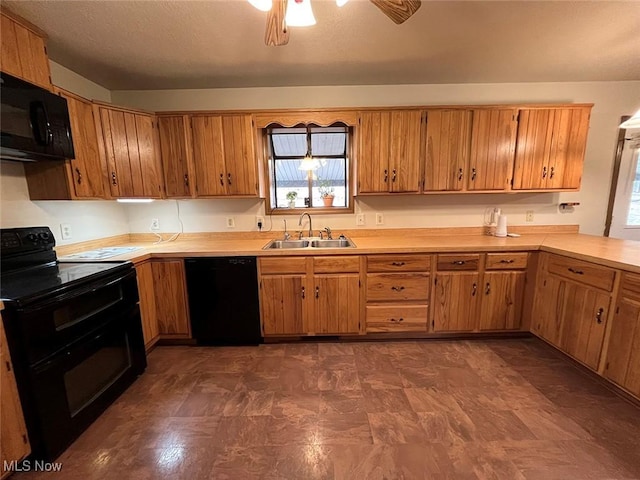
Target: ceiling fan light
pixel 262 5
pixel 341 3
pixel 299 14
pixel 633 122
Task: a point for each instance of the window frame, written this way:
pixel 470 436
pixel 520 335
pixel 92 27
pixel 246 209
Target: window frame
pixel 268 166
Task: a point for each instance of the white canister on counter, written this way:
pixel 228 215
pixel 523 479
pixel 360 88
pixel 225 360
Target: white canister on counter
pixel 501 227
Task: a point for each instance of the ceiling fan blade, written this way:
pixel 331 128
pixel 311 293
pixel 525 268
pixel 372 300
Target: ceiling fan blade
pixel 398 10
pixel 276 33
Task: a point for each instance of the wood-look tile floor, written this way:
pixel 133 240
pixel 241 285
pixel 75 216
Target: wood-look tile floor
pixel 433 409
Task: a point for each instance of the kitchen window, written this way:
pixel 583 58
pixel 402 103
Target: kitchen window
pixel 309 168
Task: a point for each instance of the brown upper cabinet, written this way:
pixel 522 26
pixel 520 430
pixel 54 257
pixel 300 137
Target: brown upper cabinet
pixel 448 140
pixel 130 147
pixel 389 155
pixel 82 177
pixel 176 155
pixel 550 148
pixel 224 158
pixel 23 51
pixel 493 141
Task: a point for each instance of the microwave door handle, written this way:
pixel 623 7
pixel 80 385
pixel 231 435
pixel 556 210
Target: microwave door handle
pixel 39 122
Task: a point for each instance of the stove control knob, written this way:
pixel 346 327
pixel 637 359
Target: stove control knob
pixel 43 236
pixel 32 237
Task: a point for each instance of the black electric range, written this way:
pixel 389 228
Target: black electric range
pixel 74 333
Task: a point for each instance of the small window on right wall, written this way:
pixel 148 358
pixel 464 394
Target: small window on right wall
pixel 309 168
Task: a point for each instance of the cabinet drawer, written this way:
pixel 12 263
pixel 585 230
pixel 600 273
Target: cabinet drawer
pixel 507 261
pixel 458 262
pixel 397 286
pixel 630 286
pixel 398 263
pixel 276 265
pixel 583 272
pixel 337 264
pixel 402 318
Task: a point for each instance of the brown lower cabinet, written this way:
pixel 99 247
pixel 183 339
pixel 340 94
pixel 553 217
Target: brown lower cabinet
pixel 14 443
pixel 310 295
pixel 163 300
pixel 456 298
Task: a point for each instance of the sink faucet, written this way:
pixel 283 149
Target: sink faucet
pixel 300 222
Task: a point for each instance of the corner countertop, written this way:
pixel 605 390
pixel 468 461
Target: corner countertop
pixel 622 254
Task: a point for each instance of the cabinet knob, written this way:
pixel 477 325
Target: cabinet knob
pixel 78 176
pixel 599 315
pixel 114 180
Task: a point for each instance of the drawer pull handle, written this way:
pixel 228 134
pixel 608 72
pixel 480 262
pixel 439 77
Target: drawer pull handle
pixel 397 264
pixel 506 261
pixel 599 315
pixel 303 296
pixel 317 292
pixel 398 320
pixel 79 176
pixel 577 272
pixel 458 262
pixel 487 289
pixel 386 176
pixel 397 289
pixel 475 290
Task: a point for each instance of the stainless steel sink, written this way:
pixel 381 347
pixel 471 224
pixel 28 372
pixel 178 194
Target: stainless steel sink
pixel 339 243
pixel 286 244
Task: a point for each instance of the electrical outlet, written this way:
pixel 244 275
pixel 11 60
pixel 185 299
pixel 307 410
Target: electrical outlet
pixel 260 222
pixel 379 218
pixel 231 222
pixel 65 230
pixel 155 224
pixel 360 220
pixel 529 216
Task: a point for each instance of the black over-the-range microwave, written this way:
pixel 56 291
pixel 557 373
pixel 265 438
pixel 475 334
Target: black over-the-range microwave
pixel 34 122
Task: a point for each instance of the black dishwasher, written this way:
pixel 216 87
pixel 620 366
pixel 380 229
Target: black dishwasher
pixel 223 300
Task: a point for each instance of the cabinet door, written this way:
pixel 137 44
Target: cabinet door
pixel 208 155
pixel 566 157
pixel 33 57
pixel 447 158
pixel 623 355
pixel 583 323
pixel 456 302
pixel 175 153
pixel 148 182
pixel 493 140
pixel 373 161
pixel 404 151
pixel 239 157
pixel 533 147
pixel 87 172
pixel 336 304
pixel 14 443
pixel 547 308
pixel 282 298
pixel 502 300
pixel 171 298
pixel 146 291
pixel 9 48
pixel 114 131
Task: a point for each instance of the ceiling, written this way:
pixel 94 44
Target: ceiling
pixel 220 43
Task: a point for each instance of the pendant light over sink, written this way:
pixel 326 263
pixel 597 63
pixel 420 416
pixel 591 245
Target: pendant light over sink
pixel 283 14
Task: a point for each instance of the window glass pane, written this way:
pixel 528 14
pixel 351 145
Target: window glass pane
pixel 331 178
pixel 633 218
pixel 288 178
pixel 328 144
pixel 289 145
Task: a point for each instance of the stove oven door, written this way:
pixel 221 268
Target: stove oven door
pixel 73 387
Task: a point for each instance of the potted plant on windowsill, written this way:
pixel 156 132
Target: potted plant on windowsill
pixel 326 193
pixel 291 198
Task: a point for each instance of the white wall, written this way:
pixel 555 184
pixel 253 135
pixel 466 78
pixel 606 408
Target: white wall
pixel 611 101
pixel 88 219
